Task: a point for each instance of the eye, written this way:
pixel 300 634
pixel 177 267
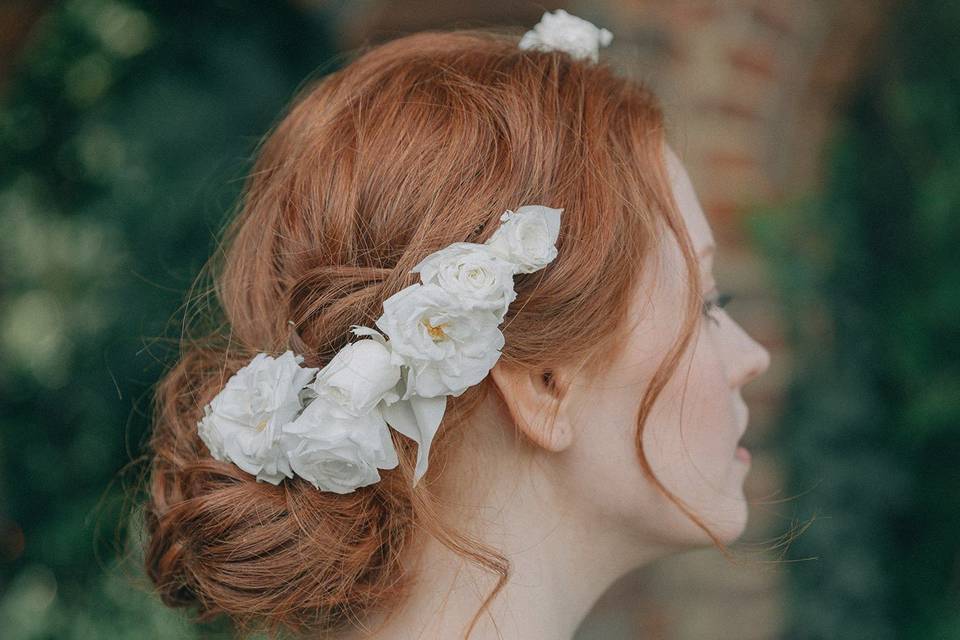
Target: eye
pixel 712 304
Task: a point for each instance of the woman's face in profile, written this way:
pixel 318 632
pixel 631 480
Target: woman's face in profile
pixel 697 421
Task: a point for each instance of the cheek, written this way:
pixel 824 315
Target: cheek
pixel 690 441
pixel 609 480
pixel 693 424
pixel 689 451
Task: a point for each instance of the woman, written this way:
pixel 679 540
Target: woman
pixel 605 435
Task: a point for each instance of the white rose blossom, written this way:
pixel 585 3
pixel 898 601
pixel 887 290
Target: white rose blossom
pixel 359 376
pixel 242 424
pixel 527 237
pixel 336 451
pixel 473 273
pixel 564 32
pixel 445 346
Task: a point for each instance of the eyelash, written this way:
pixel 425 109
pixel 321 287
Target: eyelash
pixel 716 303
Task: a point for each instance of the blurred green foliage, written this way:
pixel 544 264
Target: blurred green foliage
pixel 124 138
pixel 870 278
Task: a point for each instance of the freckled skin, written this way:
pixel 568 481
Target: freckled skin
pixel 691 451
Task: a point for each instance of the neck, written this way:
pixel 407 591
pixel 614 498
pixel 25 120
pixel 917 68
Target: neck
pixel 554 579
pixel 561 560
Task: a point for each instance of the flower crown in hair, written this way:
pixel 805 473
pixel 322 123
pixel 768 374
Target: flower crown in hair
pixel 274 418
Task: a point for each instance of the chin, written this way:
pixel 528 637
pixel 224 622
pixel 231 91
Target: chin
pixel 689 536
pixel 727 521
pixel 732 525
pixel 724 514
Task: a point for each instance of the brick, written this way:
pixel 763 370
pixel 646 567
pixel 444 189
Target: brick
pixel 772 18
pixel 730 107
pixel 720 159
pixel 756 60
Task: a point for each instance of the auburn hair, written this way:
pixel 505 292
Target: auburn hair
pixel 417 143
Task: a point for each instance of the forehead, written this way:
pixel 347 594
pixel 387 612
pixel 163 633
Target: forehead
pixel 686 197
pixel 660 291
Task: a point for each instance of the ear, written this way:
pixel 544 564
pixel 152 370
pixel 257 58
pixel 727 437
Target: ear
pixel 533 399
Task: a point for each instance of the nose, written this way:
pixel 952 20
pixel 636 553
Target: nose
pixel 752 357
pixel 757 362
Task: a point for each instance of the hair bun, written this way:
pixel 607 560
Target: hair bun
pixel 267 556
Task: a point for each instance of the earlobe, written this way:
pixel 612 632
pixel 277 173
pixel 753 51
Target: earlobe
pixel 537 403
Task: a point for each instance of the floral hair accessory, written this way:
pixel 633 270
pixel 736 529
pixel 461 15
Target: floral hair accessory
pixel 564 32
pixel 275 419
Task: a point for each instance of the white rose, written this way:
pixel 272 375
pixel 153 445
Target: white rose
pixel 527 237
pixel 564 32
pixel 445 347
pixel 242 424
pixel 359 376
pixel 336 451
pixel 473 273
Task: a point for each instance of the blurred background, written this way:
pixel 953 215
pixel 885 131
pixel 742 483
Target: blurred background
pixel 823 137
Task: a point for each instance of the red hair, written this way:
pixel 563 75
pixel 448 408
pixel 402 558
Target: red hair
pixel 416 144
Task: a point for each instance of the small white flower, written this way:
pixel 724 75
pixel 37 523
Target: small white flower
pixel 445 346
pixel 359 376
pixel 564 32
pixel 336 451
pixel 478 277
pixel 242 424
pixel 527 237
